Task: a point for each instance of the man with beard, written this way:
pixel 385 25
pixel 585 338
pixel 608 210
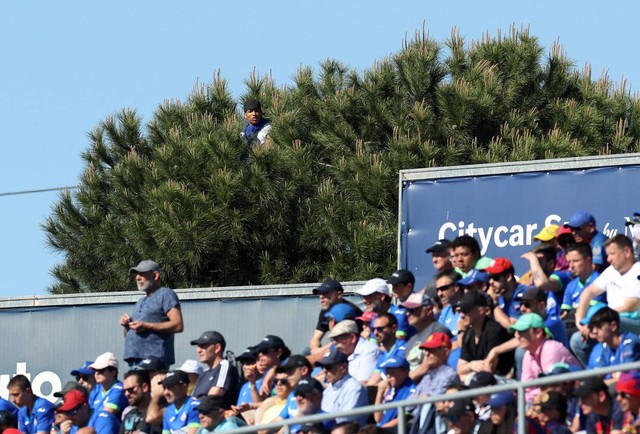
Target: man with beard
pixel 137 389
pixel 150 328
pixel 628 396
pixel 181 416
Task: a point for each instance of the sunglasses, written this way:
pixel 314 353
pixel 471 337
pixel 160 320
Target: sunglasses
pixel 380 329
pixel 130 390
pixel 624 395
pixel 281 381
pixel 413 310
pixel 445 287
pixel 83 377
pixel 526 304
pixel 495 277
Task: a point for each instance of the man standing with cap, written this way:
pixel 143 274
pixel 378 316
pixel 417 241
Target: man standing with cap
pixel 150 328
pixel 330 294
pixel 256 127
pixel 343 391
pixel 221 377
pixel 441 260
pixel 181 416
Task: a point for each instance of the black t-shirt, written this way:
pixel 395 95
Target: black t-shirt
pixel 597 424
pixel 323 323
pixel 225 376
pixel 492 335
pixel 134 423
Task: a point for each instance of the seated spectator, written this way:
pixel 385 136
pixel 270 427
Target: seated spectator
pixel 194 371
pixel 449 294
pixel 580 265
pixel 343 392
pixel 362 354
pixel 309 395
pixel 616 347
pixel 296 368
pixel 110 396
pixel 583 227
pixel 534 300
pixel 384 330
pixel 553 412
pixel 256 127
pixel 35 414
pixel 182 413
pixel 271 407
pixel 76 408
pixel 620 283
pixel 251 375
pixel 272 351
pixel 461 416
pixel 503 413
pixel 340 312
pixel 221 377
pixel 137 389
pixel 481 400
pixel 441 261
pixel 398 387
pixel 345 428
pixel 466 255
pixel 84 376
pixel 575 418
pixel 474 280
pixel 330 293
pixel 420 315
pixel 377 298
pixel 547 237
pixel 504 290
pixel 628 396
pixel 481 334
pixel 402 284
pixel 212 417
pixel 8 422
pixel 365 322
pixel 542 262
pixel 541 353
pixel 603 413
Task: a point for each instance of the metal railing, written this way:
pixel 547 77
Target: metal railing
pixel 519 387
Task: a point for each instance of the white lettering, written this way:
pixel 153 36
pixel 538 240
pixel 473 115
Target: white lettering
pixel 496 236
pixel 442 232
pixel 531 228
pixel 517 236
pixel 552 219
pixel 484 239
pixel 609 232
pixel 36 384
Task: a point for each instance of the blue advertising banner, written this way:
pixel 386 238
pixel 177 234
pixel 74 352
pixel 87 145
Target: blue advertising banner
pixel 504 212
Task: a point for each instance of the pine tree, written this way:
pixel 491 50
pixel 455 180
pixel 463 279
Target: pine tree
pixel 320 198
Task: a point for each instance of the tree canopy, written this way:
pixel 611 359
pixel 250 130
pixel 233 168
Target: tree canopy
pixel 321 198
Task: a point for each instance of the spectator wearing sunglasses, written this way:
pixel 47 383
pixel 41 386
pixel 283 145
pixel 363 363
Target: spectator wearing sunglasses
pixel 504 290
pixel 76 408
pixel 384 329
pixel 137 389
pixel 84 376
pixel 628 396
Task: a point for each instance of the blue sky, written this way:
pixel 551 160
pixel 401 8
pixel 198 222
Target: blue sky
pixel 67 65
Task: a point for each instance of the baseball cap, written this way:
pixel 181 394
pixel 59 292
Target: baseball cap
pixel 174 378
pixel 459 408
pixel 252 104
pixel 190 366
pixel 328 286
pixel 333 356
pixel 439 246
pixel 559 368
pixel 563 230
pixel 72 400
pixel 306 385
pixel 482 379
pixel 530 321
pixel 84 369
pixel 295 361
pixel 268 342
pixel 210 337
pixel 150 364
pixel 474 276
pixel 501 399
pixel 472 298
pixel 547 233
pixel 499 266
pixel 591 384
pixel 629 382
pixel 417 300
pixel 533 294
pixel 248 355
pixel 69 385
pixel 593 309
pixel 343 328
pixel 367 316
pixel 210 403
pixel 145 266
pixel 374 285
pixel 104 360
pixel 552 399
pixel 401 276
pixel 340 312
pixel 436 340
pixel 393 362
pixel 580 218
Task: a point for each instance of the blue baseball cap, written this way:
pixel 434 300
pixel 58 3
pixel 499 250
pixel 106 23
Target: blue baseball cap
pixel 474 276
pixel 593 309
pixel 341 311
pixel 580 218
pixel 84 369
pixel 501 399
pixel 399 362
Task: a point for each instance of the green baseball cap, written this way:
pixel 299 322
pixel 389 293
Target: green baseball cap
pixel 530 321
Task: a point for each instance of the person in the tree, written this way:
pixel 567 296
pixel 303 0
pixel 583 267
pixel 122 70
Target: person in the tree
pixel 256 127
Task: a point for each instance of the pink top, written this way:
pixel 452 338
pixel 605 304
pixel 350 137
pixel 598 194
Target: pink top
pixel 547 354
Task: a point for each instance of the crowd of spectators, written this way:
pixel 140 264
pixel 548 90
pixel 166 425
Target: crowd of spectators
pixel 475 324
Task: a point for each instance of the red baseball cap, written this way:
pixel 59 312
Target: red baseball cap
pixel 629 382
pixel 499 266
pixel 72 400
pixel 436 340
